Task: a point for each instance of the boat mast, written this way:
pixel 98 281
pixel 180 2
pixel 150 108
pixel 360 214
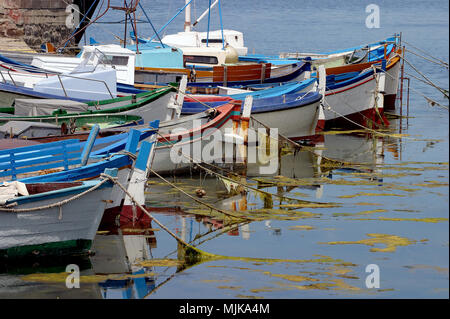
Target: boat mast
pixel 187 17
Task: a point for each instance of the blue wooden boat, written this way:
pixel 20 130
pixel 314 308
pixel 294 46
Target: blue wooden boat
pixel 70 159
pixel 370 52
pixel 268 90
pixel 61 222
pixel 295 115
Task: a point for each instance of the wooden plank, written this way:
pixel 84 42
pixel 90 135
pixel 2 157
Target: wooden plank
pixel 72 150
pixel 133 141
pixel 241 72
pixel 40 160
pixel 36 168
pixel 89 144
pixel 348 68
pixel 37 147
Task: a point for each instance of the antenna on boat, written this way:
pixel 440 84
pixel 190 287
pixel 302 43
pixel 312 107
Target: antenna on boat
pixel 221 25
pixel 204 13
pixel 128 10
pixel 171 19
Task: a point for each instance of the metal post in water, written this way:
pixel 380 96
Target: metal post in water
pixel 401 82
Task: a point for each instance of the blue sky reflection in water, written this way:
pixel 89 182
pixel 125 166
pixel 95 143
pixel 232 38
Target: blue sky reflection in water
pixel 402 192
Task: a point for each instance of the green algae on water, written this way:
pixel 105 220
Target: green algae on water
pixel 391 242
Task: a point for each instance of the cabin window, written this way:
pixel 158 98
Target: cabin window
pixel 200 59
pixel 212 41
pixel 115 60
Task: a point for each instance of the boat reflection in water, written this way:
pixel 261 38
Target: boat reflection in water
pixel 123 243
pixel 364 149
pixel 120 245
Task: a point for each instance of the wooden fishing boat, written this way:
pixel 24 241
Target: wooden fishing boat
pixel 150 106
pixel 75 123
pixel 289 72
pixel 391 79
pixel 258 90
pixel 295 115
pixel 70 160
pixel 36 222
pixel 60 160
pixel 192 137
pixel 71 235
pixel 184 132
pixel 362 53
pixel 352 100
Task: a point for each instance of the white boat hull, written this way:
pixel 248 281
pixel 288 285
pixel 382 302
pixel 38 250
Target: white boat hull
pixel 354 102
pixel 295 122
pixel 38 231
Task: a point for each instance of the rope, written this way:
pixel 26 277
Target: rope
pixel 362 126
pixel 196 199
pixel 90 22
pixel 124 152
pixel 234 181
pixel 425 58
pixel 423 51
pixel 179 240
pixel 428 80
pixel 190 96
pixel 421 80
pixel 429 100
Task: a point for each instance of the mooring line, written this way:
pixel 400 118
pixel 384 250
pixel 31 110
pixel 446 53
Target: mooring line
pixel 423 51
pixel 425 58
pixel 430 100
pixel 427 79
pixel 422 80
pixel 197 200
pixel 192 160
pixel 181 241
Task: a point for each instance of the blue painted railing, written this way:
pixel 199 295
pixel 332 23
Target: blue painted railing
pixel 62 154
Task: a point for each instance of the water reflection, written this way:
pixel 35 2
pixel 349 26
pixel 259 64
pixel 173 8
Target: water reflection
pixel 122 245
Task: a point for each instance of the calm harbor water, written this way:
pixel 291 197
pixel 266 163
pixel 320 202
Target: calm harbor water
pixel 391 210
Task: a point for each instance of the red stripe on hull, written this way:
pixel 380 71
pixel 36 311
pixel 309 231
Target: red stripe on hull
pixel 367 118
pixel 320 126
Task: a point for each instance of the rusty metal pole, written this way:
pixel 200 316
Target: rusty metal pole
pixel 401 82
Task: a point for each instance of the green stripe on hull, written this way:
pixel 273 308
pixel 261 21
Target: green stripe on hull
pixel 74 247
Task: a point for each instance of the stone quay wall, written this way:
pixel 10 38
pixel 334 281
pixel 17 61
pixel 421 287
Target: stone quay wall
pixel 35 21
